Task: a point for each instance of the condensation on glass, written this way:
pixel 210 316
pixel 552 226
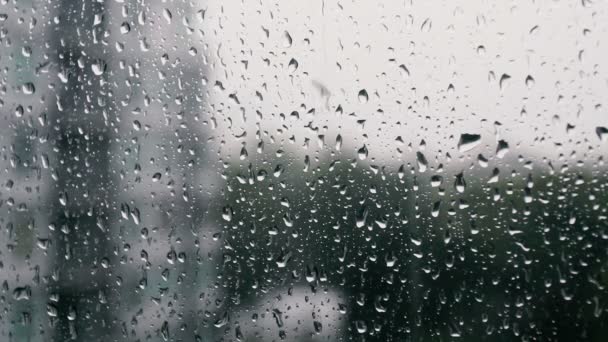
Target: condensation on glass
pixel 303 170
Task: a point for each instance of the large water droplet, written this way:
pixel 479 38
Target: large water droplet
pixel 468 142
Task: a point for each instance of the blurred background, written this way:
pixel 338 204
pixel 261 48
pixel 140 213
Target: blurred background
pixel 303 171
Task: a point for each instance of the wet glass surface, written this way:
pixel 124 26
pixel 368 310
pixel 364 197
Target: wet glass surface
pixel 303 171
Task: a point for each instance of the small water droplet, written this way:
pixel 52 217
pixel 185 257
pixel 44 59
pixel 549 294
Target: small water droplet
pixel 529 81
pixel 361 327
pixel 98 67
pixel 504 79
pixel 459 184
pixel 362 153
pixel 287 41
pixel 167 15
pixel 164 331
pixel 422 162
pixel 22 293
pixel 156 177
pixel 227 213
pixel 293 65
pixel 363 97
pixel 28 88
pixel 502 149
pixel 318 327
pixel 125 28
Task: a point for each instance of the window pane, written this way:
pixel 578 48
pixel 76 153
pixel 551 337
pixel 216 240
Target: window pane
pixel 303 171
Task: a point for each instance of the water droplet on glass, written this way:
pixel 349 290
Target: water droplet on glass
pixel 125 28
pixel 164 331
pixel 363 97
pixel 460 184
pixel 156 177
pixel 293 65
pixel 362 153
pixel 98 67
pixel 361 326
pixel 602 133
pixel 287 41
pixel 422 162
pixel 28 88
pixel 227 214
pixel 529 81
pixel 468 142
pixel 504 79
pixel 502 149
pixel 318 327
pixel 167 15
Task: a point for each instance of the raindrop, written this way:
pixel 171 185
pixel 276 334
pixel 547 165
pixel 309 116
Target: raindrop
pixel 405 72
pixel 164 331
pixel 28 88
pixel 63 198
pixel 227 213
pixel 362 153
pixel 293 65
pixel 460 184
pixel 436 181
pixel 422 162
pixel 602 133
pixel 502 83
pixel 502 149
pixel 26 51
pixel 287 41
pixel 220 322
pixel 98 67
pixel 318 327
pixel 468 142
pixel 529 81
pixel 125 28
pixel 361 327
pixel 22 293
pixel 19 111
pixel 167 15
pixel 363 97
pixel 361 216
